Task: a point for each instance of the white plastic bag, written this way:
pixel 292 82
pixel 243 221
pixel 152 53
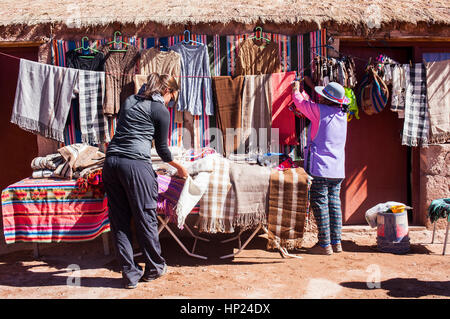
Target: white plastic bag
pixel 371 214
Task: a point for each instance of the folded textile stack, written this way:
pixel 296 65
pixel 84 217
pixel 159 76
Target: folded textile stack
pixel 72 161
pixel 177 154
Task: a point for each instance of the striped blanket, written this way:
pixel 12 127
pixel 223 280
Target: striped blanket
pixel 288 205
pixel 48 210
pixel 55 210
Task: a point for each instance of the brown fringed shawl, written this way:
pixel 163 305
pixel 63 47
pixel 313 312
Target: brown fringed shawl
pixel 288 205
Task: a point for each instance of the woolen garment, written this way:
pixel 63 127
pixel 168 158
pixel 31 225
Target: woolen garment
pixel 195 79
pixel 228 100
pixel 438 95
pixel 74 59
pixel 140 122
pixel 93 122
pixel 282 118
pixel 325 150
pixel 288 207
pixel 251 186
pixel 162 62
pixel 43 98
pixel 257 57
pixel 256 115
pixel 77 157
pixel 120 68
pixel 416 124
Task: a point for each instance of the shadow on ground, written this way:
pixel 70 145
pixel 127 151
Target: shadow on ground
pixel 407 287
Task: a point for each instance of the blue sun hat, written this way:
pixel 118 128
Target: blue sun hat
pixel 333 92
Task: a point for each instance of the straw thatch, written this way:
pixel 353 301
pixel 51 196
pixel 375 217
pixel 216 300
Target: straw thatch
pixel 31 20
pixel 93 13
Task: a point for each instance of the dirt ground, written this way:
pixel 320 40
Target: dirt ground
pixel 359 272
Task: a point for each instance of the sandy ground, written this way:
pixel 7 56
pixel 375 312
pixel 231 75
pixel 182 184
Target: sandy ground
pixel 359 272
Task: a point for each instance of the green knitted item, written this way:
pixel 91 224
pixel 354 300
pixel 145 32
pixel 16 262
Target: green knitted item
pixel 439 208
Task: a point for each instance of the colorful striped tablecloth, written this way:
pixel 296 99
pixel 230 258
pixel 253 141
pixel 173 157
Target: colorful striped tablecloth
pixel 52 210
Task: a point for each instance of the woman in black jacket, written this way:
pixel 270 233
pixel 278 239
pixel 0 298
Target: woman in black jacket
pixel 130 181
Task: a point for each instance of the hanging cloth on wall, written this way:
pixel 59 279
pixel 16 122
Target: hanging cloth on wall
pixel 398 90
pixel 438 94
pixel 119 68
pixel 74 59
pixel 256 115
pixel 43 97
pixel 93 122
pixel 282 118
pixel 196 79
pixel 416 125
pixel 228 100
pixel 257 57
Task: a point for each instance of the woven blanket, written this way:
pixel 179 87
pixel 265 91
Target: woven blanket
pixel 288 205
pixel 251 186
pixel 48 210
pixel 43 97
pixel 217 204
pixel 416 126
pixel 438 94
pixel 194 187
pixel 93 123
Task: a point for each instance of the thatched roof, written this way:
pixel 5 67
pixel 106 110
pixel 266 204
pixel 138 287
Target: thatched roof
pixel 347 14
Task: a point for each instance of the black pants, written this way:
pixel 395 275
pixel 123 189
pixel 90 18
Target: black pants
pixel 132 190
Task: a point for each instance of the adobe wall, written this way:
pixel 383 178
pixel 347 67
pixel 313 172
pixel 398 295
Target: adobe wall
pixel 434 178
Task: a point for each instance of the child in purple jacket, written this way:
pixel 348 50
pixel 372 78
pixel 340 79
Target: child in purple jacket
pixel 325 158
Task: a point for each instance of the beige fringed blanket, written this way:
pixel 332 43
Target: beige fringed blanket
pixel 251 186
pixel 288 204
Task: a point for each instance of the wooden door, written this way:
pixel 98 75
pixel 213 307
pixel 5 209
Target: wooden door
pixel 18 147
pixel 377 165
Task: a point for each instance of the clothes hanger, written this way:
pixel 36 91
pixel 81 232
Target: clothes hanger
pixel 189 37
pixel 260 37
pixel 117 42
pixel 84 48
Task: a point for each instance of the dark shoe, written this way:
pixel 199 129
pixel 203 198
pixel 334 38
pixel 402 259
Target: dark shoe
pixel 147 278
pixel 319 250
pixel 337 248
pixel 130 285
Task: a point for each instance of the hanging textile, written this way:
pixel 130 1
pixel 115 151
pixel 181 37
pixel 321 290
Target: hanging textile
pixel 438 94
pixel 228 101
pixel 196 78
pixel 75 60
pixel 256 118
pixel 282 118
pixel 93 122
pixel 257 57
pixel 43 96
pixel 398 90
pixel 120 68
pixel 416 125
pixel 295 53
